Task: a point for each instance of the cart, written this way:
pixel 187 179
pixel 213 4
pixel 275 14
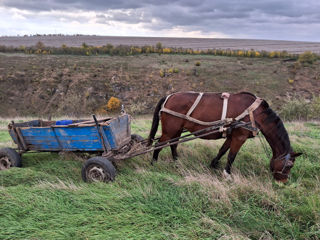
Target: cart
pixel 110 138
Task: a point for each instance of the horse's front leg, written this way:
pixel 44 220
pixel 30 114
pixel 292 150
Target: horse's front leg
pixel 225 147
pixel 236 142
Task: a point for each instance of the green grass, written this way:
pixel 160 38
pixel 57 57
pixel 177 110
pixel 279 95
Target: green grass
pixel 46 198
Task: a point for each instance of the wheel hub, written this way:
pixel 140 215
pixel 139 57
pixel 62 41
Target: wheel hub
pixel 5 163
pixel 96 174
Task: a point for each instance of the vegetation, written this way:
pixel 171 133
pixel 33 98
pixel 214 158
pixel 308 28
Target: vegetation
pixel 307 57
pixel 301 109
pixel 46 199
pixel 125 50
pixel 113 104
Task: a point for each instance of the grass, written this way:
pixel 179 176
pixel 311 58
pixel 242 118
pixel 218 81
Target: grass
pixel 46 198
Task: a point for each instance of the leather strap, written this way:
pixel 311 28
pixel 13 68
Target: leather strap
pixel 196 102
pixel 225 97
pixel 191 119
pixel 251 108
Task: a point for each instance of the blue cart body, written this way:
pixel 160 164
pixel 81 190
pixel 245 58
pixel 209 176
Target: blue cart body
pixel 84 136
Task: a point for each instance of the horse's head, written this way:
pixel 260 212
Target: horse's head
pixel 281 166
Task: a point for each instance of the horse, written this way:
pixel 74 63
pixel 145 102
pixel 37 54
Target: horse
pixel 187 111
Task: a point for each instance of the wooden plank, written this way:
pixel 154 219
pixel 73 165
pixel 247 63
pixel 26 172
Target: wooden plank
pixel 25 147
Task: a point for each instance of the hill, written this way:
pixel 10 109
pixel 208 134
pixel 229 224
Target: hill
pixel 43 85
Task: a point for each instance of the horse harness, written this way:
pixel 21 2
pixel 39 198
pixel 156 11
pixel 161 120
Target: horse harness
pixel 224 120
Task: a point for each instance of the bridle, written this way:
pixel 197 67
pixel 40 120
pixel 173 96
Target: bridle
pixel 286 158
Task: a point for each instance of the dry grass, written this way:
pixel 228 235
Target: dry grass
pixel 228 232
pixel 61 185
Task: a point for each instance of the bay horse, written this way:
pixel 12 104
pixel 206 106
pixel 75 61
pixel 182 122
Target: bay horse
pixel 209 109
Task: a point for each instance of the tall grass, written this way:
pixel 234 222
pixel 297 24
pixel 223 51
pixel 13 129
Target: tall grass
pixel 46 198
pixel 301 109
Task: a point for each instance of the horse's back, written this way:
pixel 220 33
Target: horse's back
pixel 210 106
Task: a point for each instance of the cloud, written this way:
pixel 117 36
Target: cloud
pixel 268 19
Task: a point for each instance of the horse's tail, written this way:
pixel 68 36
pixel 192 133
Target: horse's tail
pixel 155 121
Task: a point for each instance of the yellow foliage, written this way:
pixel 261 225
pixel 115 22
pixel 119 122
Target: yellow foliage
pixel 113 104
pixel 290 80
pixel 162 73
pixel 272 54
pixel 166 50
pixel 307 57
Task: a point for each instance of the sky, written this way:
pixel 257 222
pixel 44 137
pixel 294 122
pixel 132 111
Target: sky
pixel 297 20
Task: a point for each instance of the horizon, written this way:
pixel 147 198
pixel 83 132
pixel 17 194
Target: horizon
pixel 115 36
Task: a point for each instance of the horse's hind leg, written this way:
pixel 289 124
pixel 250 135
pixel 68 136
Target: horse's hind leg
pixel 174 146
pixel 174 151
pixel 155 156
pixel 225 147
pixel 169 131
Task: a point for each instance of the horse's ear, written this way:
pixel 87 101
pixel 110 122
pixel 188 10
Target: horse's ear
pixel 296 154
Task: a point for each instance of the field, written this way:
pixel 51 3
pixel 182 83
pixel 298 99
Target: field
pixel 195 43
pixel 81 85
pixel 46 198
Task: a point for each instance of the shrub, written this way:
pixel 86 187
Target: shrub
pixel 301 109
pixel 307 58
pixel 159 47
pixel 290 80
pixel 40 45
pixel 113 104
pixel 162 73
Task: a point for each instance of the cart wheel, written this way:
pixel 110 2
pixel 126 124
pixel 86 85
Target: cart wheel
pixel 98 169
pixel 136 138
pixel 9 158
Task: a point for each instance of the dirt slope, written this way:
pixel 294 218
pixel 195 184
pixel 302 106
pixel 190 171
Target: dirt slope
pixel 73 85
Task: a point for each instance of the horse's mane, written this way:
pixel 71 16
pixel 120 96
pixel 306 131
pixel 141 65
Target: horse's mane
pixel 248 93
pixel 278 126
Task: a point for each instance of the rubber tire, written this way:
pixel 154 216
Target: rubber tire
pixel 136 138
pixel 102 162
pixel 13 156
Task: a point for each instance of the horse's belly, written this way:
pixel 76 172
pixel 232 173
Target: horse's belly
pixel 212 136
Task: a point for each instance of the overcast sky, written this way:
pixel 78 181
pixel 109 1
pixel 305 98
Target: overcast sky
pixel 252 19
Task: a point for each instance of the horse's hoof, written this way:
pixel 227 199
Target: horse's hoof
pixel 227 175
pixel 214 165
